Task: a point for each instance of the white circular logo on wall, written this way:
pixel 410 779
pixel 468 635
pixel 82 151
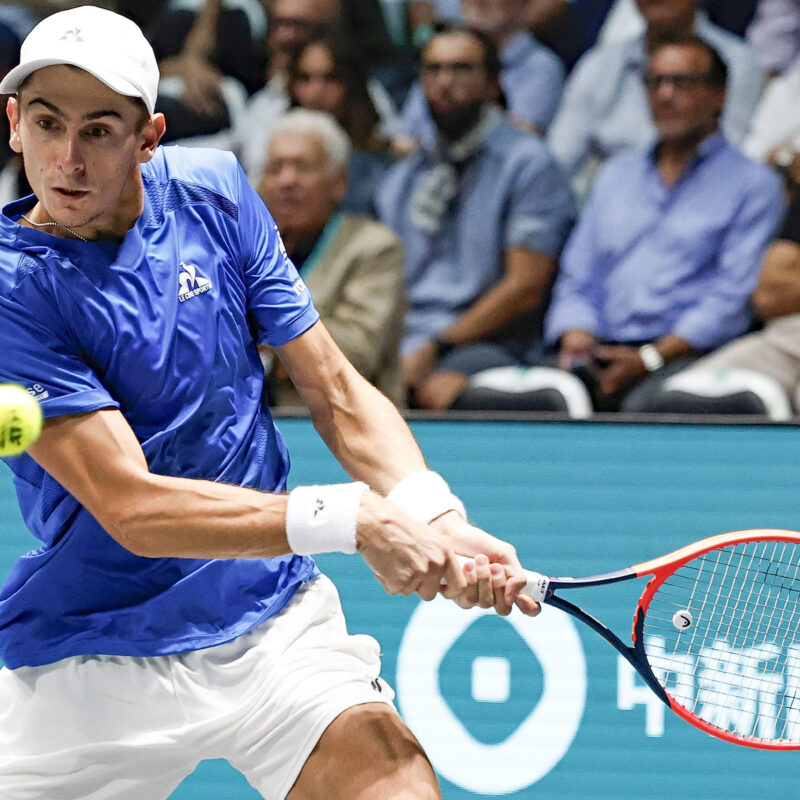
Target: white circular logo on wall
pixel 540 741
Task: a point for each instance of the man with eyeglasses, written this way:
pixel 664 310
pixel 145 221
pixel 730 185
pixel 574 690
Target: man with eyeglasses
pixel 532 75
pixel 483 211
pixel 666 253
pixel 604 107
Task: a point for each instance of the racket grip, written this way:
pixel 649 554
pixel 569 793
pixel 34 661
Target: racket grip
pixel 535 588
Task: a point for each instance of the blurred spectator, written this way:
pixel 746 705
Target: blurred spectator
pixel 210 55
pixel 142 12
pixel 568 27
pixel 734 17
pixel 482 212
pixel 774 135
pixel 357 22
pixel 324 75
pixel 604 108
pixel 774 34
pixel 625 21
pixel 352 265
pixel 726 380
pixel 532 76
pixel 18 19
pixel 291 24
pixel 667 250
pixel 12 177
pixel 365 24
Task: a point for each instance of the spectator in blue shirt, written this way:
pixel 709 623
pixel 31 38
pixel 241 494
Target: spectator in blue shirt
pixel 532 75
pixel 667 250
pixel 604 109
pixel 482 212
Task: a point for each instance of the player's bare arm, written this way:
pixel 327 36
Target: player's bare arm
pixel 373 443
pixel 97 458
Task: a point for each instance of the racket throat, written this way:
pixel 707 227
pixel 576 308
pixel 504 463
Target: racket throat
pixel 633 655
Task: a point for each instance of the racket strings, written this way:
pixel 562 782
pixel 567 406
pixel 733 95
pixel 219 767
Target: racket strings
pixel 737 664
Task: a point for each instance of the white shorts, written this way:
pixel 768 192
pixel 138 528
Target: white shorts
pixel 124 728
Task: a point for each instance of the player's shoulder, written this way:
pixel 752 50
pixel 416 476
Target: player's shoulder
pixel 197 172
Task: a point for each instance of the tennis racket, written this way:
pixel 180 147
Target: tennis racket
pixel 715 633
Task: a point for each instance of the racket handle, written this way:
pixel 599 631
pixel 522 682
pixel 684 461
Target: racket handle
pixel 536 587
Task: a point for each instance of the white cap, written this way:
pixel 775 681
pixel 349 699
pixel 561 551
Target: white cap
pixel 107 45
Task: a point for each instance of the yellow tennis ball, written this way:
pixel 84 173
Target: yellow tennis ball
pixel 20 420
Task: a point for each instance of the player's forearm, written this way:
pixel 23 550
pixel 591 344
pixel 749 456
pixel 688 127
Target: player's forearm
pixel 366 433
pixel 185 518
pixel 360 426
pixel 99 461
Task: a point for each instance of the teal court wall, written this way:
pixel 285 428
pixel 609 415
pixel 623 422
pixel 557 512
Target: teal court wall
pixel 517 707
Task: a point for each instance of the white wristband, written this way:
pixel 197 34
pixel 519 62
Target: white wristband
pixel 425 496
pixel 322 519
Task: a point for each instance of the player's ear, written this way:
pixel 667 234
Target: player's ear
pixel 12 111
pixel 151 134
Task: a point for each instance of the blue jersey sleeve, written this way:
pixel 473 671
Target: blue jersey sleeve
pixel 277 298
pixel 38 352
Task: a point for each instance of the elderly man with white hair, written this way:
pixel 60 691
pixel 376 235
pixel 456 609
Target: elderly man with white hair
pixel 352 265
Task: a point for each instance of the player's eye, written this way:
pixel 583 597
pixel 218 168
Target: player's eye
pixel 45 124
pixel 98 132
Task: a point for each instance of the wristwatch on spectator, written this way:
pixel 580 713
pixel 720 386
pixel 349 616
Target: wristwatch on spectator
pixel 651 358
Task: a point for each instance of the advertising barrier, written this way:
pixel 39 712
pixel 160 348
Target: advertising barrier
pixel 520 708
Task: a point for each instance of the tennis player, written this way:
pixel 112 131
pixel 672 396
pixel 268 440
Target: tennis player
pixel 173 612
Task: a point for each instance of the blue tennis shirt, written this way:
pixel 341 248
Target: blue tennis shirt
pixel 164 327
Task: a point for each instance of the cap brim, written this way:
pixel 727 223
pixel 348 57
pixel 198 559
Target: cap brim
pixel 15 78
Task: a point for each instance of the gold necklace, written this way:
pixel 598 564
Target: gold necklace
pixel 56 224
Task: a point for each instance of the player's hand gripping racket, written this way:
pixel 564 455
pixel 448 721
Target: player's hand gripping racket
pixel 715 633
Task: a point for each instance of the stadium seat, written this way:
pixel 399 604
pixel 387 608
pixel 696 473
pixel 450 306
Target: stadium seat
pixel 527 389
pixel 731 391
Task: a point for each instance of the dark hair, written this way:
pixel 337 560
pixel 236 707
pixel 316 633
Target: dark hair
pixel 357 114
pixel 491 56
pixel 717 71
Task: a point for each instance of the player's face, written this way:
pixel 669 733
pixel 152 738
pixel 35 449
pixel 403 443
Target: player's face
pixel 316 85
pixel 454 79
pixel 682 102
pixel 82 145
pixel 299 186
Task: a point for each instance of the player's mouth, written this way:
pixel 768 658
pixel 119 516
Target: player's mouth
pixel 70 194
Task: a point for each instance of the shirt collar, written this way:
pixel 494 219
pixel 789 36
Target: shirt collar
pixel 711 145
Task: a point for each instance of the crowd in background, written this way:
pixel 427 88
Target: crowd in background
pixel 574 206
